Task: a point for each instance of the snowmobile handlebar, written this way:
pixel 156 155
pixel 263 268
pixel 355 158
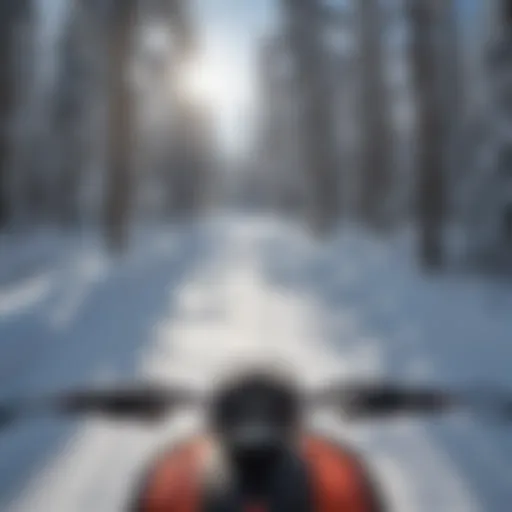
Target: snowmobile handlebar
pixel 380 400
pixel 144 403
pixel 375 400
pixel 358 401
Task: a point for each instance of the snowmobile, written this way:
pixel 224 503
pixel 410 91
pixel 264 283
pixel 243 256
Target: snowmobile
pixel 257 455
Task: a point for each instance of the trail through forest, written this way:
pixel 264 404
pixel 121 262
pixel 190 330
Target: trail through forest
pixel 191 302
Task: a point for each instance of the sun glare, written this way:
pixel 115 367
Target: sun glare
pixel 216 81
pixel 201 82
pixel 221 80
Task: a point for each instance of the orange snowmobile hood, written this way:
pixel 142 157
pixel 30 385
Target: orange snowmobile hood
pixel 338 481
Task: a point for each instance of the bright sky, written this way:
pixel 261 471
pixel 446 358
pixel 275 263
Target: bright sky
pixel 231 29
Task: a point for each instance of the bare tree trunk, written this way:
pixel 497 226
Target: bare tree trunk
pixel 5 104
pixel 278 140
pixel 507 13
pixel 70 93
pixel 376 149
pixel 453 97
pixel 120 122
pixel 305 24
pixel 10 13
pixel 430 180
pixel 184 173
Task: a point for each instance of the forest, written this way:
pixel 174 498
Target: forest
pixel 380 113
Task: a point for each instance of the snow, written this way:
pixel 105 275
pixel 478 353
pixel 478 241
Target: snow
pixel 191 303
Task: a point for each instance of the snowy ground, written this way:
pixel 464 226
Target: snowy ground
pixel 190 303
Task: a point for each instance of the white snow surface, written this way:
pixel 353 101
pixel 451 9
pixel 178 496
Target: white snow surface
pixel 192 303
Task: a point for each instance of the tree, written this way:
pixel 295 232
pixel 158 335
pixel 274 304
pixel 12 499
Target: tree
pixel 454 99
pixel 10 13
pixel 282 181
pixel 507 13
pixel 305 29
pixel 120 124
pixel 430 191
pixel 376 143
pixel 187 167
pixel 72 89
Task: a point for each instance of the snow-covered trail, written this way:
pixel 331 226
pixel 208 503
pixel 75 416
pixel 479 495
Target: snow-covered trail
pixel 191 306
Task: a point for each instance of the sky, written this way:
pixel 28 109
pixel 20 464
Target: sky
pixel 231 29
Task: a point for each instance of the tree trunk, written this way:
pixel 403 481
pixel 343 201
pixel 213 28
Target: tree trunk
pixel 305 25
pixel 69 100
pixel 430 179
pixel 5 103
pixel 182 173
pixel 453 97
pixel 507 13
pixel 376 143
pixel 120 126
pixel 10 13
